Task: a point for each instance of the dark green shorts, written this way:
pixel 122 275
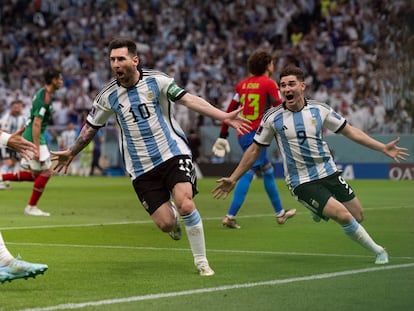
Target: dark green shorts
pixel 315 194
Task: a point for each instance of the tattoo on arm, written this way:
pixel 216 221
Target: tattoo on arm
pixel 86 135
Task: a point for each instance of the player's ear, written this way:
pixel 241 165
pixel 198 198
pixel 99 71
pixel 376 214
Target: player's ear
pixel 136 59
pixel 303 85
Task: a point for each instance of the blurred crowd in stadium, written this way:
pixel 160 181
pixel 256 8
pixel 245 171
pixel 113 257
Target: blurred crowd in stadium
pixel 358 54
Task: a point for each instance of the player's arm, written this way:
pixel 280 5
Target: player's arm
pixel 65 157
pixel 221 145
pixel 16 142
pixel 390 149
pixel 203 107
pixel 226 184
pixel 224 130
pixel 36 129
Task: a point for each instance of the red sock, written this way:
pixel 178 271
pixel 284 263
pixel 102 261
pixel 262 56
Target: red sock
pixel 19 176
pixel 38 187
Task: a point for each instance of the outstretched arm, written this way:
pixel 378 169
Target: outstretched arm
pixel 16 142
pixel 65 157
pixel 233 119
pixel 390 149
pixel 226 184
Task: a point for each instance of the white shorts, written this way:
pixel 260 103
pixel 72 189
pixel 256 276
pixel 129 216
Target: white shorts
pixel 43 164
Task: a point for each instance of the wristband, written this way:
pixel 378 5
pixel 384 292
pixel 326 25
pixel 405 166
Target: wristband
pixel 4 138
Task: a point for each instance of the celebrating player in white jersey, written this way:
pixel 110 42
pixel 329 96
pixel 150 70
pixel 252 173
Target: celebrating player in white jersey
pixel 310 171
pixel 153 146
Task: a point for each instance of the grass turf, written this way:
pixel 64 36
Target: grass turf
pixel 104 253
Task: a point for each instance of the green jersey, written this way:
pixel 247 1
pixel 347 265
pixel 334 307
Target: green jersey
pixel 41 108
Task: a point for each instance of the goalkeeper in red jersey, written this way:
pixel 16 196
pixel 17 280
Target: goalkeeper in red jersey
pixel 255 94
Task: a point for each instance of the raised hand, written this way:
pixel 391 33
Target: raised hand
pixel 241 125
pixel 64 159
pixel 395 152
pixel 222 190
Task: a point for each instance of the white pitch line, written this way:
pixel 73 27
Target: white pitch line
pixel 188 250
pixel 73 306
pixel 150 221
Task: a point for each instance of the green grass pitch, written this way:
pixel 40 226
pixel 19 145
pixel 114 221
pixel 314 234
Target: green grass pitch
pixel 104 253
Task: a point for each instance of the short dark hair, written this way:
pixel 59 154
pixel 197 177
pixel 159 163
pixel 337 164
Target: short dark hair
pixel 50 73
pixel 124 43
pixel 291 70
pixel 16 101
pixel 258 62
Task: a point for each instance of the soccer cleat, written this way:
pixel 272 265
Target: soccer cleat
pixel 34 211
pixel 175 233
pixel 204 269
pixel 230 223
pixel 286 215
pixel 5 185
pixel 19 269
pixel 382 258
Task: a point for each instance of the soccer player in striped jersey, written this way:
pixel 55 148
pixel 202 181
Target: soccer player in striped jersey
pixel 256 94
pixel 12 268
pixel 154 147
pixel 310 171
pixel 39 168
pixel 12 121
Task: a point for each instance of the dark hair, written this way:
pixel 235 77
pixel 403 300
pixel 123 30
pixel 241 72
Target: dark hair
pixel 124 43
pixel 49 74
pixel 291 70
pixel 258 62
pixel 16 101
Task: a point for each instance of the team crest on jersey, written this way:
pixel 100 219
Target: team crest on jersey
pixel 42 111
pixel 150 95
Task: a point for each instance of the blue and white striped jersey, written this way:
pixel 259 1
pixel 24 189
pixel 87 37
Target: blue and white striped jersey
pixel 299 135
pixel 11 123
pixel 148 134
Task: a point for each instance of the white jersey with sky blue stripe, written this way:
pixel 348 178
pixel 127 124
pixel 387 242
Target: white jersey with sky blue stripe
pixel 11 124
pixel 299 135
pixel 148 134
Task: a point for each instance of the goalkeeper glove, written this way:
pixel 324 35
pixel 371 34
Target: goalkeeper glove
pixel 221 147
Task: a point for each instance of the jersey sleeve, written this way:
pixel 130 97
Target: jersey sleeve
pixel 100 112
pixel 334 121
pixel 170 88
pixel 264 134
pixel 40 105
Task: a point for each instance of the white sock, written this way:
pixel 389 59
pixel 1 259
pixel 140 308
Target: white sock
pixel 358 234
pixel 195 234
pixel 5 256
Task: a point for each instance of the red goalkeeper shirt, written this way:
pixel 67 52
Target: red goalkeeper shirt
pixel 255 94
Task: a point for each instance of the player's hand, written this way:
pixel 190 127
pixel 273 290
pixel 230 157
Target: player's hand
pixel 241 125
pixel 393 151
pixel 64 159
pixel 222 190
pixel 25 148
pixel 221 147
